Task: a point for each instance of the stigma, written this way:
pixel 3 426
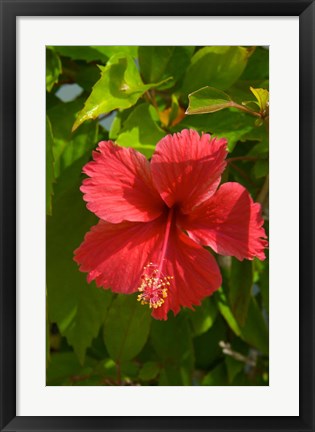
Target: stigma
pixel 154 287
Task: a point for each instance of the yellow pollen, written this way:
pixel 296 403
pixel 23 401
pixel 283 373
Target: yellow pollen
pixel 153 288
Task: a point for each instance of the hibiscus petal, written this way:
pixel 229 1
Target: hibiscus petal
pixel 229 222
pixel 186 168
pixel 114 255
pixel 120 185
pixel 194 271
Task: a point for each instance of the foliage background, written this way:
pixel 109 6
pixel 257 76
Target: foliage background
pixel 135 96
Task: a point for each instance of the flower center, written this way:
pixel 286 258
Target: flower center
pixel 154 285
pixel 153 288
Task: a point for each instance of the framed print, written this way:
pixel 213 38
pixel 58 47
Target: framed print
pixel 157 215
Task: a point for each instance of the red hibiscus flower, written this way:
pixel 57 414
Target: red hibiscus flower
pixel 155 218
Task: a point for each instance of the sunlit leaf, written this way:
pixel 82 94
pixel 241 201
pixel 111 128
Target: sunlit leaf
pixel 141 131
pixel 110 50
pixel 262 96
pixel 119 87
pixel 216 66
pixel 208 100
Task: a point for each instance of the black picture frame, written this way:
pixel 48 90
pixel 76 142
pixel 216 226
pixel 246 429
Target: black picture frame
pixel 10 10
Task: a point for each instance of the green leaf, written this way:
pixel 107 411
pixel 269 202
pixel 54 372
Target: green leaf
pixel 260 168
pixel 119 87
pixel 126 328
pixel 226 312
pixel 233 367
pixel 47 337
pixel 86 76
pixel 160 62
pixel 70 146
pixel 77 308
pixel 117 124
pixel 149 371
pixel 208 100
pixel 86 53
pixel 241 282
pixel 130 369
pixel 262 96
pixel 232 125
pixel 263 280
pixel 109 51
pixel 258 65
pixel 174 110
pixel 203 317
pixel 141 131
pixel 216 377
pixel 254 331
pixel 174 376
pixel 50 176
pixel 64 367
pixel 172 342
pixel 207 348
pixel 240 91
pixel 216 66
pixel 53 68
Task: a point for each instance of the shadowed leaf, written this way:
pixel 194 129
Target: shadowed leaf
pixel 241 282
pixel 77 307
pixel 50 176
pixel 53 68
pixel 126 328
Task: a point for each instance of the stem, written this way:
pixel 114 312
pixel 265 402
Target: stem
pixel 242 158
pixel 151 99
pixel 243 108
pixel 242 173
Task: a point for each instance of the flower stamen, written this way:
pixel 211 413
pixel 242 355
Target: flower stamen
pixel 154 284
pixel 153 287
